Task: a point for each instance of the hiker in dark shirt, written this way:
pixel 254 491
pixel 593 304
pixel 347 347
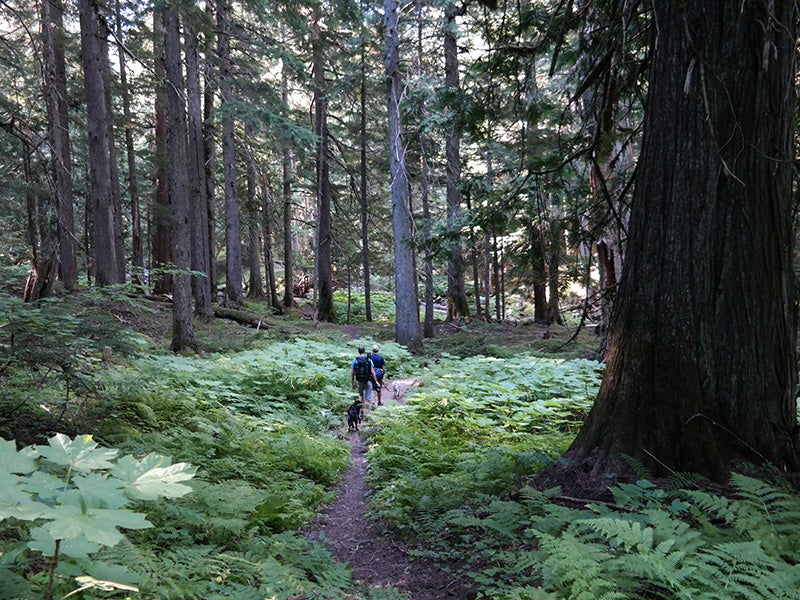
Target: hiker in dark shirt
pixel 379 366
pixel 362 372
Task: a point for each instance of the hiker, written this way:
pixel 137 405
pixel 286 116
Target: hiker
pixel 379 365
pixel 361 371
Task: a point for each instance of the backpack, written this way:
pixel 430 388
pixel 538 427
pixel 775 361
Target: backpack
pixel 361 369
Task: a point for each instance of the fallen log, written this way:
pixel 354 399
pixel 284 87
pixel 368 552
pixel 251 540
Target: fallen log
pixel 242 317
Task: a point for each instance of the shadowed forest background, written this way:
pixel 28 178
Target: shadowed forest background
pixel 574 222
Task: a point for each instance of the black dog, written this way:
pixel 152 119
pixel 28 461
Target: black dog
pixel 354 415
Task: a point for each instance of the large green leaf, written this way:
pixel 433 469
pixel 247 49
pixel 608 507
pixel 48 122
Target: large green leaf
pixel 76 547
pixel 147 481
pixel 11 461
pixel 44 485
pixel 80 454
pixel 15 502
pixel 97 524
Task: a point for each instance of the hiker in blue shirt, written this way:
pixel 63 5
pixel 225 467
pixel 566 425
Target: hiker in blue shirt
pixel 361 371
pixel 379 366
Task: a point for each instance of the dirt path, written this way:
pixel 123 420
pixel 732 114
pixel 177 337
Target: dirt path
pixel 377 560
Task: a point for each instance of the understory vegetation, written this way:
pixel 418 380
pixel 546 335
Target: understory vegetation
pixel 138 473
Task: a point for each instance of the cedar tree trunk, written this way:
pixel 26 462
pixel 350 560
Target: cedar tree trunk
pixel 701 363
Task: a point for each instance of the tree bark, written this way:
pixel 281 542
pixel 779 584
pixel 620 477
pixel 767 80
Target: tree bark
pixel 162 210
pixel 288 275
pixel 55 79
pixel 137 253
pixel 363 187
pixel 406 301
pixel 182 324
pixel 255 289
pixel 198 201
pixel 234 294
pixel 269 259
pixel 701 368
pixel 113 163
pixel 457 303
pixel 101 201
pixel 209 149
pixel 324 232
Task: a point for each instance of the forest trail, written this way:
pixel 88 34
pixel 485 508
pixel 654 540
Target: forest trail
pixel 377 560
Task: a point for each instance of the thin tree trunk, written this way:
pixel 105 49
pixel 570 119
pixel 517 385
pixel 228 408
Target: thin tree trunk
pixel 182 324
pixel 269 258
pixel 363 173
pixel 162 210
pixel 288 275
pixel 101 201
pixel 233 237
pixel 406 301
pixel 487 276
pixel 255 289
pixel 137 254
pixel 457 303
pixel 116 190
pixel 209 152
pixel 323 243
pixel 198 201
pixel 55 79
pixel 556 251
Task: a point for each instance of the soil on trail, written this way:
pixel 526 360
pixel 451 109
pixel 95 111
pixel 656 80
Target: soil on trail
pixel 377 560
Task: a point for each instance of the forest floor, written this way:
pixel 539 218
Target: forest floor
pixel 376 558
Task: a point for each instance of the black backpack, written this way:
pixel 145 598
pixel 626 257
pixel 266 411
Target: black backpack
pixel 361 369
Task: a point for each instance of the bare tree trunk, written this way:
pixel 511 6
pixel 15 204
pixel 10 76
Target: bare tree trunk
pixel 457 303
pixel 324 284
pixel 209 151
pixel 55 80
pixel 198 201
pixel 182 324
pixel 269 259
pixel 162 210
pixel 288 275
pixel 363 173
pixel 255 289
pixel 101 201
pixel 233 241
pixel 406 301
pixel 701 368
pixel 556 251
pixel 137 254
pixel 116 190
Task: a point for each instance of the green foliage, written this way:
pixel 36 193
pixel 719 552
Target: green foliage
pixel 477 430
pixel 50 354
pixel 68 499
pixel 382 306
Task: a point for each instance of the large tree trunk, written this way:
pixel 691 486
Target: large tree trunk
pixel 182 325
pixel 198 201
pixel 324 233
pixel 55 80
pixel 234 294
pixel 405 277
pixel 137 253
pixel 702 361
pixel 101 201
pixel 457 303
